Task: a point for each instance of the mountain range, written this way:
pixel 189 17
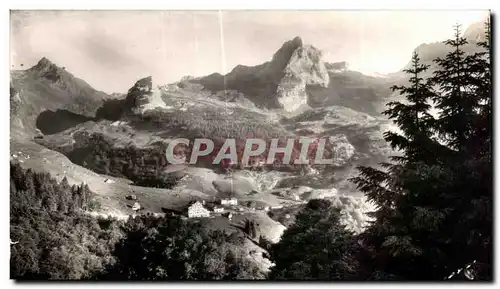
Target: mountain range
pixel 72 130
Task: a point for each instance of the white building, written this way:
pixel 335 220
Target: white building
pixel 218 210
pixel 136 206
pixel 197 210
pixel 232 201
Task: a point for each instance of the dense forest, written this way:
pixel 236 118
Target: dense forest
pixel 143 166
pixel 53 237
pixel 433 219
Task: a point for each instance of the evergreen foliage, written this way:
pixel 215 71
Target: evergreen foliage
pixel 315 247
pixel 173 249
pixel 55 240
pixel 434 203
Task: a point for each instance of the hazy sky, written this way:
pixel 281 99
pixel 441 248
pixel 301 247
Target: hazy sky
pixel 112 49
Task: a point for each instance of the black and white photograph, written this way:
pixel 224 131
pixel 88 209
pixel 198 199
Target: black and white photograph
pixel 251 145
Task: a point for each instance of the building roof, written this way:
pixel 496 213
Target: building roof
pixel 167 210
pixel 191 203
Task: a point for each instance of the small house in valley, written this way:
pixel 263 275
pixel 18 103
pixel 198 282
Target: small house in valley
pixel 230 202
pixel 218 210
pixel 136 206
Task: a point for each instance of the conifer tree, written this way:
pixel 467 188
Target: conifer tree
pixel 316 247
pixel 456 99
pixel 464 125
pixel 412 116
pixel 434 202
pixel 474 219
pixel 394 188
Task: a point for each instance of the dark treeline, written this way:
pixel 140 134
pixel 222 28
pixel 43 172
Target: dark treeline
pixel 174 249
pixel 52 238
pixel 142 166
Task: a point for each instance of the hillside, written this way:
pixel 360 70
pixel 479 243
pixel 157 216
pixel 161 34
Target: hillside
pixel 45 89
pixel 116 143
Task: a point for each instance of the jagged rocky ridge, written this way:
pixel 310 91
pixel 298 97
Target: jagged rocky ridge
pixel 297 76
pixel 47 88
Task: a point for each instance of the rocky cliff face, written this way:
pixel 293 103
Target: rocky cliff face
pixel 144 96
pixel 476 32
pixel 305 67
pixel 280 83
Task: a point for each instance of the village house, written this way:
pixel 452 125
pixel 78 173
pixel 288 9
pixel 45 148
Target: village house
pixel 218 210
pixel 136 206
pixel 196 209
pixel 231 202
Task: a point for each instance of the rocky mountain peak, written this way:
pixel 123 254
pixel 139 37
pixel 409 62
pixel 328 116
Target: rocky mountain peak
pixel 304 67
pixel 46 69
pixel 279 83
pixel 476 32
pixel 143 96
pixel 44 65
pixel 427 52
pixel 283 55
pixel 144 84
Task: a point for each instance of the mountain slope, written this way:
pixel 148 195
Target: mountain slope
pixel 297 76
pixel 123 138
pixel 44 87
